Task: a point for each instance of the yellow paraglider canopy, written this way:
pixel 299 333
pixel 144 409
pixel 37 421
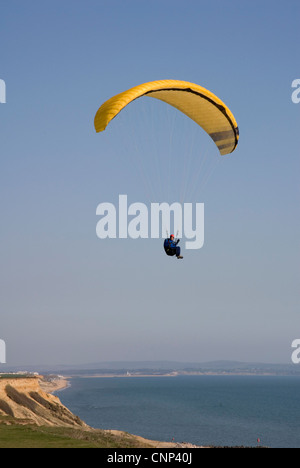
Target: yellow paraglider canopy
pixel 202 106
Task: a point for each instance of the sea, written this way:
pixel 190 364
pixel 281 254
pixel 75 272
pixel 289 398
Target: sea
pixel 203 410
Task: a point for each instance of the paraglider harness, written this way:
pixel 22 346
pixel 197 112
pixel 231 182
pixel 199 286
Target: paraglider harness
pixel 170 247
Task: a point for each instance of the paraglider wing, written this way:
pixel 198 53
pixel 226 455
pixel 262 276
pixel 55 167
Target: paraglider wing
pixel 202 106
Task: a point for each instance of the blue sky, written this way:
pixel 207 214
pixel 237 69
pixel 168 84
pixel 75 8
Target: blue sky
pixel 68 297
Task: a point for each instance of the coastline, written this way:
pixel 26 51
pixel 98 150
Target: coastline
pixel 177 374
pixel 54 384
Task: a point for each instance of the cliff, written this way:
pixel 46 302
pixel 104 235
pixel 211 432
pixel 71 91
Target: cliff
pixel 23 400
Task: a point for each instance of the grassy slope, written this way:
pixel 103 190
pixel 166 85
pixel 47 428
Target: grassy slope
pixel 45 437
pixel 31 436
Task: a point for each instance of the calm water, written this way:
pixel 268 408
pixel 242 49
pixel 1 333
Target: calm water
pixel 208 410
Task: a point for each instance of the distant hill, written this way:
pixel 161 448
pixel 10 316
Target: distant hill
pixel 154 367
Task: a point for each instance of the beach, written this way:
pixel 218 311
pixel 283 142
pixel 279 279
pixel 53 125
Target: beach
pixel 53 384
